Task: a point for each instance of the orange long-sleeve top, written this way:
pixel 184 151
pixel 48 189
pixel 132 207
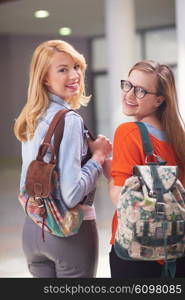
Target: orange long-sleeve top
pixel 128 152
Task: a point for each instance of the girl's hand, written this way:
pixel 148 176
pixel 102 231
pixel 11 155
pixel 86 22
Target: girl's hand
pixel 100 148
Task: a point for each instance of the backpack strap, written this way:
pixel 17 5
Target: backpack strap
pixel 59 131
pixel 147 145
pixel 56 127
pixel 53 125
pixel 46 144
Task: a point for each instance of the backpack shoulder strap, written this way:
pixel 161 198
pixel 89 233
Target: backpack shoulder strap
pixel 58 116
pixel 147 146
pixel 56 127
pixel 59 131
pixel 47 140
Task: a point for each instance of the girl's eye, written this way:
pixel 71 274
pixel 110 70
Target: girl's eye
pixel 77 67
pixel 63 70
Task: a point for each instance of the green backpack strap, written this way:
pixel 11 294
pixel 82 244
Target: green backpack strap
pixel 169 269
pixel 147 146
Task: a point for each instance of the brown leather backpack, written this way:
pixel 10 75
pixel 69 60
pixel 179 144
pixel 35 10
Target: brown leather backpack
pixel 37 197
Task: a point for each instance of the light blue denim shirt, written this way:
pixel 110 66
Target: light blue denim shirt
pixel 76 182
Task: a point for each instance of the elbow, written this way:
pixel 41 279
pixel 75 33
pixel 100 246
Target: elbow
pixel 72 198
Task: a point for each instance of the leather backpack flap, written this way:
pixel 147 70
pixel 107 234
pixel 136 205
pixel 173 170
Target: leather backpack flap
pixel 39 178
pixel 40 174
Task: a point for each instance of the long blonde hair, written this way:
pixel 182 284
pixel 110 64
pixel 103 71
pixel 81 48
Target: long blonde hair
pixel 37 98
pixel 168 112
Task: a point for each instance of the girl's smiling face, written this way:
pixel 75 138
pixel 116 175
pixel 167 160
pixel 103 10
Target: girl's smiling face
pixel 147 106
pixel 64 76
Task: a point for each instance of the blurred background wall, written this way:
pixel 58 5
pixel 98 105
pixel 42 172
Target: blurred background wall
pixel 112 35
pixel 154 26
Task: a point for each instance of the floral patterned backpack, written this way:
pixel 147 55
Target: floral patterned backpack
pixel 151 212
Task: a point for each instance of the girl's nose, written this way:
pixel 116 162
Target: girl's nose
pixel 131 92
pixel 73 74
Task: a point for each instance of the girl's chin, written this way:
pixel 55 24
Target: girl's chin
pixel 71 97
pixel 75 93
pixel 128 114
pixel 128 111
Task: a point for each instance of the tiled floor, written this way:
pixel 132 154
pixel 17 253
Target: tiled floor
pixel 12 260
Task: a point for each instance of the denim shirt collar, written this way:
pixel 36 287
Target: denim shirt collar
pixel 58 100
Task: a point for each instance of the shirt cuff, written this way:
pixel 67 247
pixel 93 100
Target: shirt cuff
pixel 95 164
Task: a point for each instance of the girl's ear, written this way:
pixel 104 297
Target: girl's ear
pixel 160 100
pixel 46 80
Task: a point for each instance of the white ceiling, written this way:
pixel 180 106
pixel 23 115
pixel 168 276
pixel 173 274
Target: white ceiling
pixel 85 17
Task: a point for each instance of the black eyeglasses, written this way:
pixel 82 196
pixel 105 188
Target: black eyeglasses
pixel 139 92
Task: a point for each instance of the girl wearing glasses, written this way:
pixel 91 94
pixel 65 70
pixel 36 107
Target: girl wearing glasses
pixel 149 96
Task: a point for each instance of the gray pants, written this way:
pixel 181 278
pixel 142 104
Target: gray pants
pixel 61 257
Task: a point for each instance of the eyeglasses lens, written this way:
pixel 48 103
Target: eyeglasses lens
pixel 139 92
pixel 127 86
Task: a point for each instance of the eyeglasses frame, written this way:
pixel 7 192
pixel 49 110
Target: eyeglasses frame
pixel 133 86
